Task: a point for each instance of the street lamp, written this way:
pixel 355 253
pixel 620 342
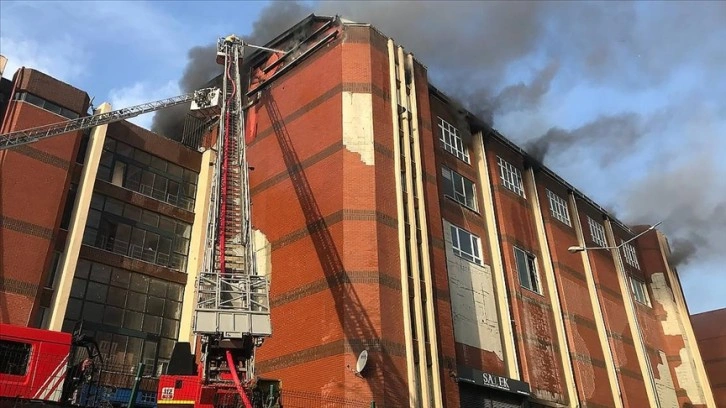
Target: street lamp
pixel 576 249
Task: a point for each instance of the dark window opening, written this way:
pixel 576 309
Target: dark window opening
pixel 14 357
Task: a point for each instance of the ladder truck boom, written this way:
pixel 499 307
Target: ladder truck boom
pixel 203 98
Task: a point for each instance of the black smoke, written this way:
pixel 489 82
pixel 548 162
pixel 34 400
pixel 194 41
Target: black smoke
pixel 202 67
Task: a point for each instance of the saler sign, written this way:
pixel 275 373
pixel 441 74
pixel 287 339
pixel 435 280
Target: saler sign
pixel 474 376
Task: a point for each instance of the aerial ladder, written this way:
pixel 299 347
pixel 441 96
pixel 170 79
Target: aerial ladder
pixel 232 314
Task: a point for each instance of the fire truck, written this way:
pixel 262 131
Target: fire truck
pixel 231 317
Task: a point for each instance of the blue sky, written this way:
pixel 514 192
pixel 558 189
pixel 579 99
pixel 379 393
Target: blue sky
pixel 660 61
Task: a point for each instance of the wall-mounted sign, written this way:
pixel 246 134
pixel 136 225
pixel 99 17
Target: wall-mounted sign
pixel 474 376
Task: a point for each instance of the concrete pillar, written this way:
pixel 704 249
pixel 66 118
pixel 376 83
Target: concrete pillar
pixel 77 225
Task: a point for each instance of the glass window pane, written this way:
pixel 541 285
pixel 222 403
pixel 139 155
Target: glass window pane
pixel 172 310
pixel 190 176
pixel 117 297
pixel 522 268
pixel 93 312
pixel 113 316
pixel 106 159
pixel 157 288
pixel 114 206
pixel 136 246
pixel 147 182
pixel 132 213
pixel 101 273
pixel 167 224
pixel 152 324
pixel 120 277
pixel 142 156
pixel 175 292
pixel 150 218
pixel 132 320
pixel 94 218
pixel 181 245
pixel 82 268
pixel 97 201
pixel 73 310
pixel 175 170
pixel 79 288
pixel 155 306
pixel 165 348
pixel 96 292
pixel 158 163
pixel 125 150
pixel 139 283
pixel 170 328
pixel 183 230
pixel 109 144
pixel 104 173
pixel 133 351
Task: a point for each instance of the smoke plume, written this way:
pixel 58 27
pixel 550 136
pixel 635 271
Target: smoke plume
pixel 202 67
pixel 609 134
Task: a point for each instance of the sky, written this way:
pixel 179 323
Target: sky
pixel 623 100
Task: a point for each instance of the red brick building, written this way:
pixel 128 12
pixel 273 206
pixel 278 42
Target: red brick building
pixel 391 220
pixel 710 328
pixel 398 223
pixel 96 226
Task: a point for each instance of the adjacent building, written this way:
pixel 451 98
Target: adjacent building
pixel 96 226
pixel 388 219
pixel 710 330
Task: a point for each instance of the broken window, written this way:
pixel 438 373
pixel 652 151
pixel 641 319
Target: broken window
pixel 527 270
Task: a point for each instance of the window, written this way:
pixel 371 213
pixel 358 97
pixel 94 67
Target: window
pixel 630 256
pixel 511 176
pixel 452 141
pixel 459 188
pixel 527 269
pixel 133 169
pixel 597 232
pixel 44 104
pixel 466 245
pixel 558 206
pixel 137 233
pixel 131 312
pixel 14 357
pixel 640 291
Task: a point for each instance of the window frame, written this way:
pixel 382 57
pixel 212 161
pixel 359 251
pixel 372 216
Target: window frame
pixel 641 296
pixel 452 142
pixel 558 208
pixel 511 177
pixel 630 254
pixel 461 182
pixel 532 275
pixel 474 240
pixel 600 238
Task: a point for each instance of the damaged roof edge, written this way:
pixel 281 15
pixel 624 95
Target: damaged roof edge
pixel 285 34
pixel 479 125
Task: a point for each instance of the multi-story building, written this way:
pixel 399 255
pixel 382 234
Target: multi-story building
pixel 96 226
pixel 388 219
pixel 710 333
pixel 396 222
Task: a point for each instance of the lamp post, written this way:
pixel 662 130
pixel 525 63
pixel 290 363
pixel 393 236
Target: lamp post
pixel 576 249
pixel 620 267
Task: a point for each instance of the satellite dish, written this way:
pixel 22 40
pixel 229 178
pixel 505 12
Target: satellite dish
pixel 362 360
